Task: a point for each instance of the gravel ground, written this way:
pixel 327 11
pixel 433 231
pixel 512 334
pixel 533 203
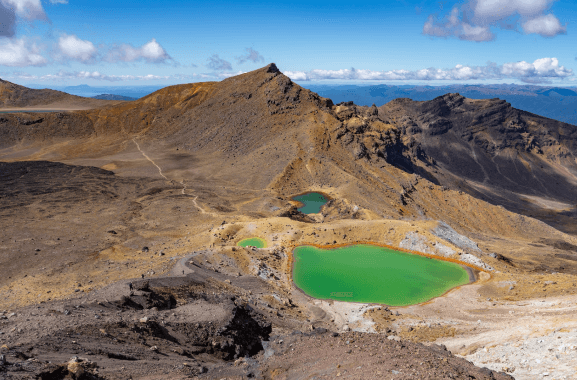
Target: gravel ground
pixel 552 356
pixel 444 231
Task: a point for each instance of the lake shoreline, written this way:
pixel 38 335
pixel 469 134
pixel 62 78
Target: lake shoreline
pixel 472 270
pixel 300 204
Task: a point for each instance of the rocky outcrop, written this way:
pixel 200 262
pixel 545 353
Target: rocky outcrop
pixel 75 369
pixel 294 214
pixel 147 299
pixel 242 335
pixel 367 135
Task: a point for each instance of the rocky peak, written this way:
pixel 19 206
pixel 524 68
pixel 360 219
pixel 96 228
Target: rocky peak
pixel 373 110
pixel 453 98
pixel 271 68
pixel 442 105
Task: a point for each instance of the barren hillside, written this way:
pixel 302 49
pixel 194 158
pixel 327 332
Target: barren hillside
pixel 15 97
pixel 164 187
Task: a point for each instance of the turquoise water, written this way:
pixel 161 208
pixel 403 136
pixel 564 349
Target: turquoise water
pixel 312 202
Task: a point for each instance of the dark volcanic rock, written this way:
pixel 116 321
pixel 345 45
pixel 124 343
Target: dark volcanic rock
pixel 27 180
pixel 294 214
pixel 147 299
pixel 492 151
pixel 366 133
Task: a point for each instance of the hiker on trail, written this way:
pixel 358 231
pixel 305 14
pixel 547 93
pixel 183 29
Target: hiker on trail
pixel 142 275
pixel 183 272
pixel 130 286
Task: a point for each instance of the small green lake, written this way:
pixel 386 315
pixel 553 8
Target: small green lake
pixel 372 274
pixel 312 202
pixel 252 242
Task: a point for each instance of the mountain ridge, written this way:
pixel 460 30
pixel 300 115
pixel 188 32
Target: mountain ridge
pixel 552 102
pixel 14 96
pixel 113 97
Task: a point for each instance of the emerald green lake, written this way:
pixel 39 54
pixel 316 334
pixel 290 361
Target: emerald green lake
pixel 254 242
pixel 372 274
pixel 312 202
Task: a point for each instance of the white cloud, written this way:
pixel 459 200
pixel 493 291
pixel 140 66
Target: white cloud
pixel 543 67
pixel 70 47
pixel 228 75
pixel 7 21
pixel 20 53
pixel 539 70
pixel 218 64
pixel 151 52
pixel 59 1
pixel 76 49
pixel 432 28
pixel 112 78
pixel 297 75
pixel 28 9
pixel 489 11
pixel 476 33
pixel 251 55
pixel 547 26
pixel 98 76
pixel 453 27
pixel 473 20
pixel 66 75
pixel 453 19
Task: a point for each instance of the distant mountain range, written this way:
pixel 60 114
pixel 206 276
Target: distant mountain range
pixel 552 102
pixel 132 92
pixel 113 97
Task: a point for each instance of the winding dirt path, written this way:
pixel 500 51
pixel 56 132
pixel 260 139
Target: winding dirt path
pixel 151 161
pixel 202 210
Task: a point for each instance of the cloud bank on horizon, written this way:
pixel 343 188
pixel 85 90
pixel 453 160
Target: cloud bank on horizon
pixel 540 71
pixel 66 52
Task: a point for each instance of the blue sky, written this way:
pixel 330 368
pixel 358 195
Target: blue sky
pixel 103 42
